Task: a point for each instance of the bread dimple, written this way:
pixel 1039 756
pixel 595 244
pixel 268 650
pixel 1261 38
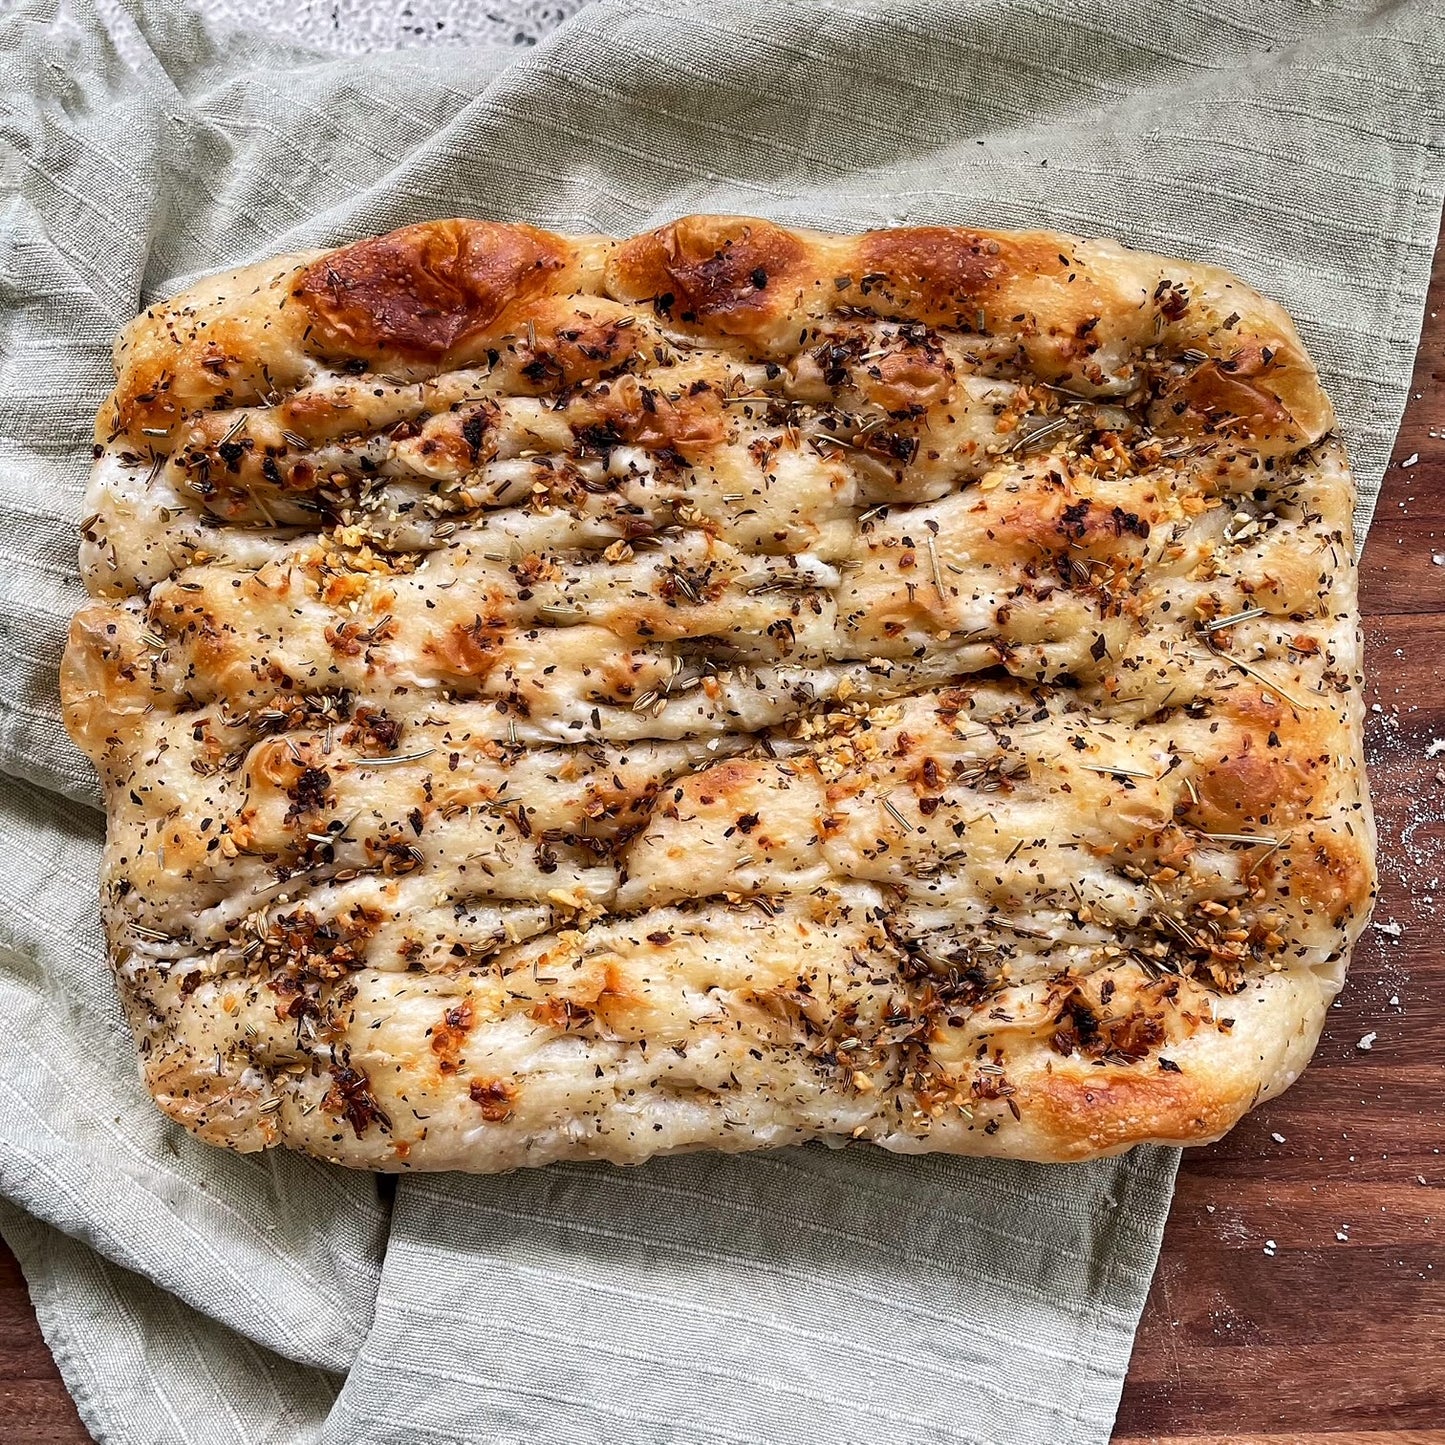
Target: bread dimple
pixel 569 698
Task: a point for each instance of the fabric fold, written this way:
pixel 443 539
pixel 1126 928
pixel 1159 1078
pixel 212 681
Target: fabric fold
pixel 143 1366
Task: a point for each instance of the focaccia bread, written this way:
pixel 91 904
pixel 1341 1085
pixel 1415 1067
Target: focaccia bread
pixel 567 698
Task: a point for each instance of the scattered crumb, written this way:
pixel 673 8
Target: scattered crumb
pixel 1342 1236
pixel 1411 459
pixel 1392 928
pixel 1367 1042
pixel 1437 746
pixel 1270 1247
pixel 1394 1000
pixel 1438 558
pixel 1278 1138
pixel 1209 1209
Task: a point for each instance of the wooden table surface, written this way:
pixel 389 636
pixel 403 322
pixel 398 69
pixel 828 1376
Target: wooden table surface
pixel 1337 1334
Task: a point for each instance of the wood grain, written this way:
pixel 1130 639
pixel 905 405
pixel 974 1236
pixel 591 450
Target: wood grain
pixel 34 1407
pixel 1340 1331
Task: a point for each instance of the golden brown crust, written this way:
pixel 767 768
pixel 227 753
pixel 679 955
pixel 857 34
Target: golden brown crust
pixel 422 290
pixel 727 275
pixel 939 274
pixel 564 697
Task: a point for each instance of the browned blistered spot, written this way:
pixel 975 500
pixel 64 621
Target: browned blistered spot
pixel 468 649
pixel 609 808
pixel 212 642
pixel 1222 394
pixel 424 289
pixel 496 1097
pixel 457 442
pixel 560 1013
pixel 1259 710
pixel 327 413
pixel 588 991
pixel 938 274
pixel 1249 784
pixel 625 1011
pixel 1096 1108
pixel 448 1036
pixel 186 357
pixel 626 411
pixel 564 346
pixel 907 381
pixel 1270 766
pixel 350 637
pixel 278 763
pixel 272 763
pixel 1331 873
pixel 142 400
pixel 92 686
pixel 1058 524
pixel 725 782
pixel 725 273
